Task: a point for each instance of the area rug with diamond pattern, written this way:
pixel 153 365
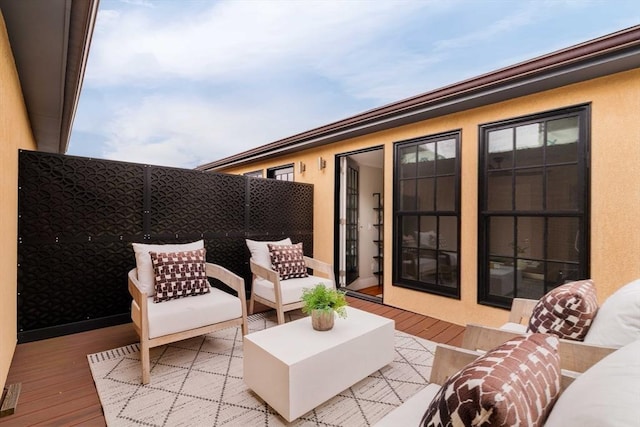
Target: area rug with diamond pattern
pixel 198 382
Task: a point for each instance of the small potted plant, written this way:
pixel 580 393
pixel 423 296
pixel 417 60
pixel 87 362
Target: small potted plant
pixel 322 304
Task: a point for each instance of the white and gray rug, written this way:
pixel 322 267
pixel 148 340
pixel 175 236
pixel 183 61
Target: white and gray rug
pixel 198 382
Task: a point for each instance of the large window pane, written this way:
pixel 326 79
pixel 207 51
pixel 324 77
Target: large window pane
pixel 427 159
pixel 428 237
pixel 448 234
pixel 564 239
pixel 562 140
pixel 410 231
pixel 501 236
pixel 500 149
pixel 562 188
pixel 529 187
pixel 426 194
pixel 529 139
pixel 446 200
pixel 408 158
pixel 529 241
pixel 446 157
pixel 409 263
pixel 407 195
pixel 428 266
pixel 499 192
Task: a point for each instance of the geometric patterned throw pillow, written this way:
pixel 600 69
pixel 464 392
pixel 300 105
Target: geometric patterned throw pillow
pixel 566 311
pixel 515 384
pixel 288 261
pixel 179 274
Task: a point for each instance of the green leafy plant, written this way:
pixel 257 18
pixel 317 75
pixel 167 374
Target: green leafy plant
pixel 322 298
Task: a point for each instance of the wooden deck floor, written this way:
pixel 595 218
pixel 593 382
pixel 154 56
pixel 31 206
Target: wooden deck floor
pixel 58 390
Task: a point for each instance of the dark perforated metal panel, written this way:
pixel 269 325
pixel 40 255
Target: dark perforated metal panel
pixel 79 216
pixel 193 203
pixel 278 208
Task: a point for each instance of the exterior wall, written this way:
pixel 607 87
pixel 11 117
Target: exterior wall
pixel 15 133
pixel 615 189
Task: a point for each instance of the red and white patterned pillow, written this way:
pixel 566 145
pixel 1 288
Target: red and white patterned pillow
pixel 566 311
pixel 179 274
pixel 288 261
pixel 516 383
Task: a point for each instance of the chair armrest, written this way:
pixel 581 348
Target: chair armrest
pixel 318 266
pixel 264 272
pixel 227 277
pixel 521 310
pixel 134 288
pixel 448 360
pixel 574 355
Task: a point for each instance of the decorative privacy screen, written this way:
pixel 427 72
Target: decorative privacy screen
pixel 79 216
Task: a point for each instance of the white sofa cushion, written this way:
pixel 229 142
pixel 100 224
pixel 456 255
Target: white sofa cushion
pixel 607 394
pixel 260 250
pixel 618 320
pixel 189 313
pixel 410 412
pixel 291 289
pixel 146 275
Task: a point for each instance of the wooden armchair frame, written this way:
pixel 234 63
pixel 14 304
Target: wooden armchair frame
pixel 139 315
pixel 447 361
pixel 574 355
pixel 272 276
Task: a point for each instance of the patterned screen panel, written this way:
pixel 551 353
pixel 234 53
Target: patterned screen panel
pixel 79 216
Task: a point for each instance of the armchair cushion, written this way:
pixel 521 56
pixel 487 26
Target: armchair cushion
pixel 566 311
pixel 618 321
pixel 607 394
pixel 179 274
pixel 291 289
pixel 144 268
pixel 189 313
pixel 516 383
pixel 260 251
pixel 288 261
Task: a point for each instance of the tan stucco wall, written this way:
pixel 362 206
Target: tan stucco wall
pixel 615 189
pixel 15 133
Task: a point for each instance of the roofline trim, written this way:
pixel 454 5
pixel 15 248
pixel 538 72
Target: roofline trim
pixel 544 67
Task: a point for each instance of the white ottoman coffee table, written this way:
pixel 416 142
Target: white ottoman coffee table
pixel 295 368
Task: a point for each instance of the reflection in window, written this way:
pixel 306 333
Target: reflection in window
pixel 533 205
pixel 426 212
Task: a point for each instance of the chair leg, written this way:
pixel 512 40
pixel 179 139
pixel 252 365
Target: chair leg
pixel 280 313
pixel 251 303
pixel 144 361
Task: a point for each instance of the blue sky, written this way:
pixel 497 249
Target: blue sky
pixel 185 82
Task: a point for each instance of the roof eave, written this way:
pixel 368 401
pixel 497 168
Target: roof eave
pixel 603 56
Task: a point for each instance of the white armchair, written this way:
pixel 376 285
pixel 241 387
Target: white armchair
pixel 178 319
pixel 283 295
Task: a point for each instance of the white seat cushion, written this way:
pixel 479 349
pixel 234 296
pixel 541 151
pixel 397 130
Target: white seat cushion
pixel 514 327
pixel 410 412
pixel 291 289
pixel 606 394
pixel 191 312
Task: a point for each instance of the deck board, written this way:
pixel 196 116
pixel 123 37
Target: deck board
pixel 57 387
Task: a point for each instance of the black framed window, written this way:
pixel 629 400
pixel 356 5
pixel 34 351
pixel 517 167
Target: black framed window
pixel 427 214
pixel 282 173
pixel 533 206
pixel 254 174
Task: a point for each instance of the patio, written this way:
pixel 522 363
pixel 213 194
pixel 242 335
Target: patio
pixel 58 389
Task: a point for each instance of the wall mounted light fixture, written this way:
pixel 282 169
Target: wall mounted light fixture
pixel 301 167
pixel 322 163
